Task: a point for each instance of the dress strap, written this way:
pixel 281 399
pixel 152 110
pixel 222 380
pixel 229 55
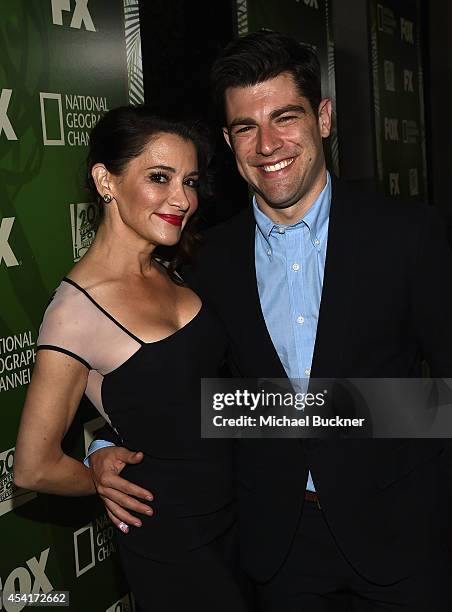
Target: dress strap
pixel 105 312
pixel 59 349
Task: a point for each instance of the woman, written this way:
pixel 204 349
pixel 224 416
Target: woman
pixel 124 329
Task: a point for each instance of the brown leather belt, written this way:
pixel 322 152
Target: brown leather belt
pixel 311 496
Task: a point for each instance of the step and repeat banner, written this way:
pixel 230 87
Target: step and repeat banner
pixel 64 63
pixel 395 35
pixel 308 21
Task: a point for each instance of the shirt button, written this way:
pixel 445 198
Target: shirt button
pixel 281 230
pixel 307 371
pixel 295 267
pixel 316 242
pixel 300 320
pixel 269 252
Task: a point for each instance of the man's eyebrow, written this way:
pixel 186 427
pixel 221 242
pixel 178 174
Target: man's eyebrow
pixel 289 108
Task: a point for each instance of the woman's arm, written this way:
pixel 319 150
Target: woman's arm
pixel 53 396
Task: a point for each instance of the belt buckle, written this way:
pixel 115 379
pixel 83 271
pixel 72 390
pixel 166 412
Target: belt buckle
pixel 313 494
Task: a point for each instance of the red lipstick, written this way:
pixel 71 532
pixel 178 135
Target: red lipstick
pixel 173 219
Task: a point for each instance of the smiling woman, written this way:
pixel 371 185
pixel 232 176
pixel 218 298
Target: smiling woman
pixel 155 195
pixel 122 331
pixel 132 146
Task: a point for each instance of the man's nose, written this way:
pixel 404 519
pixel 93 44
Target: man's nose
pixel 268 141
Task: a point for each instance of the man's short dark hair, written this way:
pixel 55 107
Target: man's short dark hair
pixel 260 56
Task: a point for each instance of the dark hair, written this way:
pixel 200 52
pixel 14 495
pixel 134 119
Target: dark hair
pixel 121 135
pixel 263 55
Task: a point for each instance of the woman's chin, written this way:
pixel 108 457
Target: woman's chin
pixel 168 241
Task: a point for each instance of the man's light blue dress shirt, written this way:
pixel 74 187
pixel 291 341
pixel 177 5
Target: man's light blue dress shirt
pixel 290 265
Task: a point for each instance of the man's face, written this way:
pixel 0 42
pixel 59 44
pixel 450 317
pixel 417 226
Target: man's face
pixel 276 138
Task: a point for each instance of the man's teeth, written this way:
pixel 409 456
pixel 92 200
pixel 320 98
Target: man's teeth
pixel 279 166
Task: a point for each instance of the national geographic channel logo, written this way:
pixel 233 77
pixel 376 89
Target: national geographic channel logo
pixel 413 181
pixel 386 20
pixel 83 223
pixel 125 604
pixel 93 543
pixel 69 118
pixel 10 496
pixel 17 356
pixel 66 119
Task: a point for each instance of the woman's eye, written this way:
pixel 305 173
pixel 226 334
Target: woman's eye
pixel 159 178
pixel 193 183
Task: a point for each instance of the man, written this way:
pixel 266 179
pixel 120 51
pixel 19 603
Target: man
pixel 319 280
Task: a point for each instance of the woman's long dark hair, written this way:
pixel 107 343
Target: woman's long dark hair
pixel 122 134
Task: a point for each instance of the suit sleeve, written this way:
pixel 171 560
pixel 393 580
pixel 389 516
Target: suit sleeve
pixel 108 434
pixel 432 313
pixel 103 437
pixel 432 296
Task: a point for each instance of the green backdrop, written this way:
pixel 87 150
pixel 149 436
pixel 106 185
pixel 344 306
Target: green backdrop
pixel 395 35
pixel 64 63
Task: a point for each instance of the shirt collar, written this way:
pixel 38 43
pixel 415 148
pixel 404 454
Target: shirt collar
pixel 316 219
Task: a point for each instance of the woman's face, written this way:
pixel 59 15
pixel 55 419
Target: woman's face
pixel 157 192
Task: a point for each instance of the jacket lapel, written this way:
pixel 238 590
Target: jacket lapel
pixel 338 286
pixel 241 308
pixel 252 322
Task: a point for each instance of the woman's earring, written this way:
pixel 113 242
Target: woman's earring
pixel 107 198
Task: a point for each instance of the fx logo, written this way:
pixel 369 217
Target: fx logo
pixel 80 15
pixel 408 80
pixel 6 252
pixel 5 123
pixel 394 187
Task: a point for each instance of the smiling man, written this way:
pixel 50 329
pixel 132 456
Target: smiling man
pixel 276 138
pixel 316 279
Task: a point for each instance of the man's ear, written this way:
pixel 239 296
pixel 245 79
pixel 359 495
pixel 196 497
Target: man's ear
pixel 227 137
pixel 325 111
pixel 101 178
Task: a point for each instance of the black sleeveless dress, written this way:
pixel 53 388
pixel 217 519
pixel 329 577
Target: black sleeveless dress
pixel 185 555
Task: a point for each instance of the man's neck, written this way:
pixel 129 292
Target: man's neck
pixel 297 211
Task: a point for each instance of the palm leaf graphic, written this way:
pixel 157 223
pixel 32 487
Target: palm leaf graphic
pixel 133 50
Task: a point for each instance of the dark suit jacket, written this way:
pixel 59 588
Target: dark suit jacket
pixel 386 305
